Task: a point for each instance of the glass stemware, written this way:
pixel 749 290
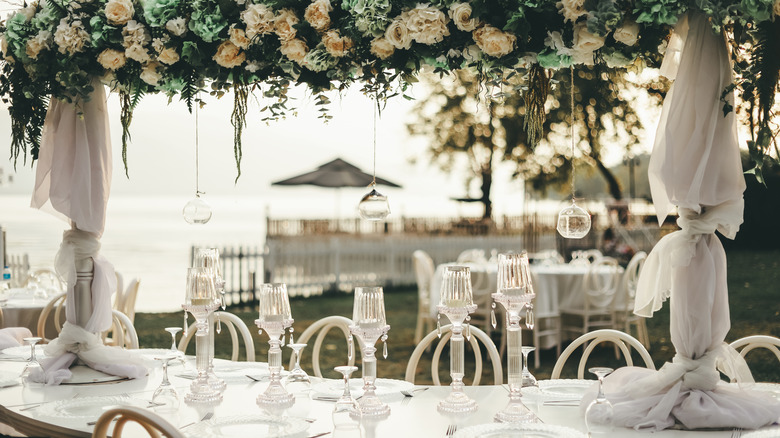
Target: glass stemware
pixel 347 408
pixel 165 397
pixel 32 367
pixel 298 379
pixel 208 258
pixel 274 317
pixel 527 379
pixel 456 302
pixel 599 415
pixel 201 300
pixel 175 353
pixel 369 325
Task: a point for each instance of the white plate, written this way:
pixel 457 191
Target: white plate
pixel 334 388
pixel 84 375
pixel 23 351
pixel 559 389
pixel 86 408
pixel 9 378
pixel 766 433
pixel 525 430
pixel 251 425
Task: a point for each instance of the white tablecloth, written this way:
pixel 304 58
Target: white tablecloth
pixel 23 309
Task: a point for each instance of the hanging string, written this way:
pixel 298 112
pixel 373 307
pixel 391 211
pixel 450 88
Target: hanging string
pixel 197 164
pixel 373 183
pixel 571 122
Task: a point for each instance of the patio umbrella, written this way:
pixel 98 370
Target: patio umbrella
pixel 337 173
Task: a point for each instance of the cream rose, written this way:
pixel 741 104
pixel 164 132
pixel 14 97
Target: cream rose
pixel 585 41
pixel 398 35
pixel 336 44
pixel 229 55
pixel 318 14
pixel 259 20
pixel 381 48
pixel 136 52
pixel 494 41
pixel 627 33
pixel 776 8
pixel 71 37
pixel 177 26
pixel 426 24
pixel 238 37
pixel 150 75
pixel 283 24
pixel 119 12
pixel 112 59
pixel 571 9
pixel 168 56
pixel 460 13
pixel 41 41
pixel 294 49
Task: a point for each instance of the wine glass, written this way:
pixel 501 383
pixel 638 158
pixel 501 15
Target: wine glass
pixel 369 325
pixel 174 352
pixel 297 380
pixel 599 414
pixel 32 367
pixel 527 379
pixel 347 408
pixel 165 397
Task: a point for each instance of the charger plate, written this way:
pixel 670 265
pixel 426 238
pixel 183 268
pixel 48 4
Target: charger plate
pixel 86 408
pixel 559 389
pixel 250 425
pixel 335 387
pixel 525 430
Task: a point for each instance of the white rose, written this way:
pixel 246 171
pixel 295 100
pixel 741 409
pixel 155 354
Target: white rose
pixel 461 16
pixel 381 48
pixel 252 67
pixel 494 41
pixel 150 75
pixel 112 59
pixel 259 20
pixel 627 33
pixel 283 24
pixel 585 41
pixel 238 37
pixel 398 35
pixel 571 9
pixel 135 33
pixel 318 14
pixel 177 26
pixel 776 8
pixel 336 44
pixel 229 55
pixel 119 12
pixel 70 37
pixel 426 24
pixel 294 49
pixel 136 52
pixel 168 56
pixel 472 53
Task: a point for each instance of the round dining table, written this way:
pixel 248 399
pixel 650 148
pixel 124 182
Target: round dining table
pixel 22 309
pixel 43 410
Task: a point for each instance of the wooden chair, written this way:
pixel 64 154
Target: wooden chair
pixel 474 255
pixel 120 291
pixel 235 326
pixel 590 340
pixel 54 310
pixel 155 425
pixel 321 328
pixel 623 306
pixel 477 336
pixel 122 332
pixel 423 271
pixel 599 287
pixel 747 344
pixel 126 302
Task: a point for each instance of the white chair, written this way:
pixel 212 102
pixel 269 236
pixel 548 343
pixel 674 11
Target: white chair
pixel 234 326
pixel 474 255
pixel 599 287
pixel 47 279
pixel 547 257
pixel 623 341
pixel 592 255
pixel 154 425
pixel 423 272
pixel 54 310
pixel 120 291
pixel 477 336
pixel 125 302
pixel 321 329
pixel 747 344
pixel 122 332
pixel 623 305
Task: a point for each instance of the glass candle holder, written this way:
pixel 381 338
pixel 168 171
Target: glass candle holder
pixel 208 258
pixel 456 303
pixel 275 318
pixel 369 325
pixel 201 300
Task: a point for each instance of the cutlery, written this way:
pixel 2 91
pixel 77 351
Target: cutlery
pixel 92 423
pixel 205 417
pixel 736 433
pixel 258 379
pixel 561 403
pixel 411 393
pixel 30 407
pixel 319 435
pixel 451 430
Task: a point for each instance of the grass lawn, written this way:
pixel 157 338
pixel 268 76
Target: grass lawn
pixel 754 298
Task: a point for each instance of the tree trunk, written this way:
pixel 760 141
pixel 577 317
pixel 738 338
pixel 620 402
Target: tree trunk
pixel 487 181
pixel 612 182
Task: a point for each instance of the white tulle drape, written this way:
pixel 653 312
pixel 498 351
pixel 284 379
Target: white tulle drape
pixel 695 166
pixel 73 182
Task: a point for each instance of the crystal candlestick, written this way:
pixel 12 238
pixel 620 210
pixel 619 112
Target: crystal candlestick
pixel 515 293
pixel 275 318
pixel 201 301
pixel 369 325
pixel 456 303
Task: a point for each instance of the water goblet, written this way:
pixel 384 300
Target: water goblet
pixel 527 379
pixel 599 415
pixel 174 351
pixel 347 408
pixel 32 367
pixel 369 325
pixel 275 318
pixel 297 380
pixel 165 397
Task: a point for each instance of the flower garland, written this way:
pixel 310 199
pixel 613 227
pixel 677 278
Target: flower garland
pixel 56 48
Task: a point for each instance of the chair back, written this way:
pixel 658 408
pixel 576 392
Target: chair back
pixel 54 310
pixel 749 343
pixel 320 328
pixel 122 332
pixel 630 280
pixel 129 296
pixel 423 272
pixel 46 279
pixel 477 336
pixel 120 291
pixel 235 327
pixel 154 425
pixel 622 340
pixel 601 282
pixel 474 255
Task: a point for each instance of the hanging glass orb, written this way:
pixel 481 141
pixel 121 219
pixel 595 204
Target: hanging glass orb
pixel 374 206
pixel 197 211
pixel 573 222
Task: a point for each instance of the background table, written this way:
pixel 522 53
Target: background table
pixel 23 309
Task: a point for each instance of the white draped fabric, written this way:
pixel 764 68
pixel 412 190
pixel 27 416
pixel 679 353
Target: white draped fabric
pixel 73 181
pixel 695 166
